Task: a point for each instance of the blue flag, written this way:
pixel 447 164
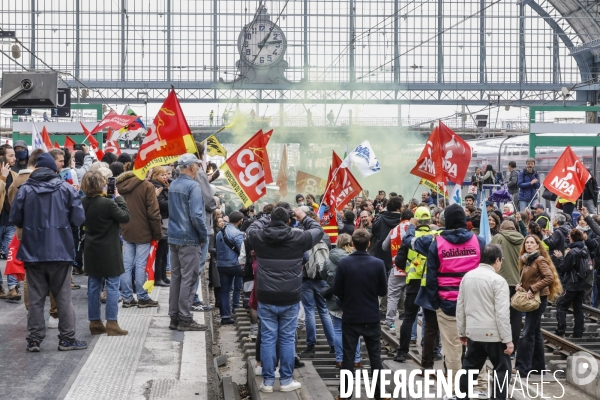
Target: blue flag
pixel 484 226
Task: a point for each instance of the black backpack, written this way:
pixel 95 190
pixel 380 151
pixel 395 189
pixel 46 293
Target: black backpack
pixel 585 269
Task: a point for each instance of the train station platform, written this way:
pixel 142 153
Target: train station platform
pixel 151 362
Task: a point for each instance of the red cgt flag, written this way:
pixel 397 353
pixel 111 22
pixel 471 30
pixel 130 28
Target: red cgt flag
pixel 341 185
pixel 568 177
pixel 456 154
pixel 169 138
pixel 248 171
pixel 430 163
pixel 309 184
pixel 282 180
pixel 112 144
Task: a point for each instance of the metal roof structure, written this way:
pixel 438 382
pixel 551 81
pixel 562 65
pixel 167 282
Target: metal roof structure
pixel 337 51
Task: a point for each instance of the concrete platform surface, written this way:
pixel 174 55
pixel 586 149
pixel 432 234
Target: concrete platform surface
pixel 152 362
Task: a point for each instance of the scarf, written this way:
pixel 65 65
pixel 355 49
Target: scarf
pixel 582 228
pixel 528 258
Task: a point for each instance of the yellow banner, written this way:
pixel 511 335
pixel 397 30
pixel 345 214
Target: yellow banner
pixel 432 186
pixel 237 188
pixel 214 148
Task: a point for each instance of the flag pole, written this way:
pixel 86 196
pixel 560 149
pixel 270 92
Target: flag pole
pixel 417 188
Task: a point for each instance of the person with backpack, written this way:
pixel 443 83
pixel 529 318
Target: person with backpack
pixel 229 243
pixel 575 270
pixel 312 285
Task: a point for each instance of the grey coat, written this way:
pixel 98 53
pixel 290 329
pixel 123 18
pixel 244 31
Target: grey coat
pixel 328 274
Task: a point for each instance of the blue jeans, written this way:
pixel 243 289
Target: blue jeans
pixel 112 297
pixel 227 276
pixel 238 285
pixel 277 323
pixel 337 339
pixel 311 297
pixel 523 205
pixel 135 257
pixel 204 252
pixel 6 235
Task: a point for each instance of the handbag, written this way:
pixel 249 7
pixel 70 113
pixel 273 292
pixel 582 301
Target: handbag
pixel 520 302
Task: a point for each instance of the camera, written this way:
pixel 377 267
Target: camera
pixel 110 187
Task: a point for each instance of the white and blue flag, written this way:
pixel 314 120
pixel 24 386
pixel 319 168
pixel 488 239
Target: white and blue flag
pixel 364 158
pixel 456 195
pixel 37 142
pixel 484 226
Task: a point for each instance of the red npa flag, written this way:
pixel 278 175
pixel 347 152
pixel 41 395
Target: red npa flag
pixel 456 154
pixel 115 121
pixel 341 185
pixel 14 266
pixel 248 171
pixel 167 139
pixel 93 143
pixel 56 145
pixel 69 144
pixel 430 163
pixel 282 179
pixel 568 177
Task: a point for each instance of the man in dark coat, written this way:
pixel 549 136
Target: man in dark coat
pixel 45 208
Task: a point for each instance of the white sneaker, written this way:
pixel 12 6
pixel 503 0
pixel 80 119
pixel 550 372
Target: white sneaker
pixel 52 323
pixel 265 389
pixel 258 370
pixel 293 385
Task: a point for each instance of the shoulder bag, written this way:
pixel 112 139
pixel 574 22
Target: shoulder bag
pixel 520 302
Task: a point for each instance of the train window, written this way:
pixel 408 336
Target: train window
pixel 524 149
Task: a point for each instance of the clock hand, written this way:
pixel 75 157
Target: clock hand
pixel 275 41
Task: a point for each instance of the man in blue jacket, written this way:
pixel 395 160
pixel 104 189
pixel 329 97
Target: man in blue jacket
pixel 229 244
pixel 529 183
pixel 187 234
pixel 45 208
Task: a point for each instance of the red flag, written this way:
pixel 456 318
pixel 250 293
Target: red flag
pixel 282 180
pixel 56 145
pixel 341 186
pixel 309 184
pixel 149 284
pixel 248 171
pixel 112 144
pixel 14 266
pixel 168 138
pixel 70 144
pixel 115 121
pixel 456 154
pixel 330 225
pixel 568 177
pixel 46 138
pixel 429 164
pixel 93 142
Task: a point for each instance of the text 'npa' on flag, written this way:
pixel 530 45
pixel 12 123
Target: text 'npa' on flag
pixel 568 177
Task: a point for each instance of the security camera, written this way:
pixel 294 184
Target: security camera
pixel 26 85
pixel 565 91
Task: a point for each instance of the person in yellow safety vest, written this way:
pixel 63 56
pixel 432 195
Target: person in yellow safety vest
pixel 568 206
pixel 541 217
pixel 415 266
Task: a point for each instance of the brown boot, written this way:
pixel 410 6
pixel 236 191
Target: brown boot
pixel 13 294
pixel 2 293
pixel 113 329
pixel 97 327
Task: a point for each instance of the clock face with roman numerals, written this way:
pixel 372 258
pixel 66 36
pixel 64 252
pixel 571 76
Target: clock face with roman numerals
pixel 261 43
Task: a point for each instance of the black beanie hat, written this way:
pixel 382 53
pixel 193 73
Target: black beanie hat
pixel 455 217
pixel 236 216
pixel 45 160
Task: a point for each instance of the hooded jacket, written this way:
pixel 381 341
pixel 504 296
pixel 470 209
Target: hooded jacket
pixel 144 216
pixel 279 251
pixel 428 296
pixel 387 221
pixel 513 182
pixel 328 274
pixel 45 208
pixel 558 240
pixel 567 267
pixel 511 242
pixel 590 191
pixel 83 162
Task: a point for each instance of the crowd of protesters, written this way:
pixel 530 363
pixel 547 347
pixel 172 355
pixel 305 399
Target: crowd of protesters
pixel 388 259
